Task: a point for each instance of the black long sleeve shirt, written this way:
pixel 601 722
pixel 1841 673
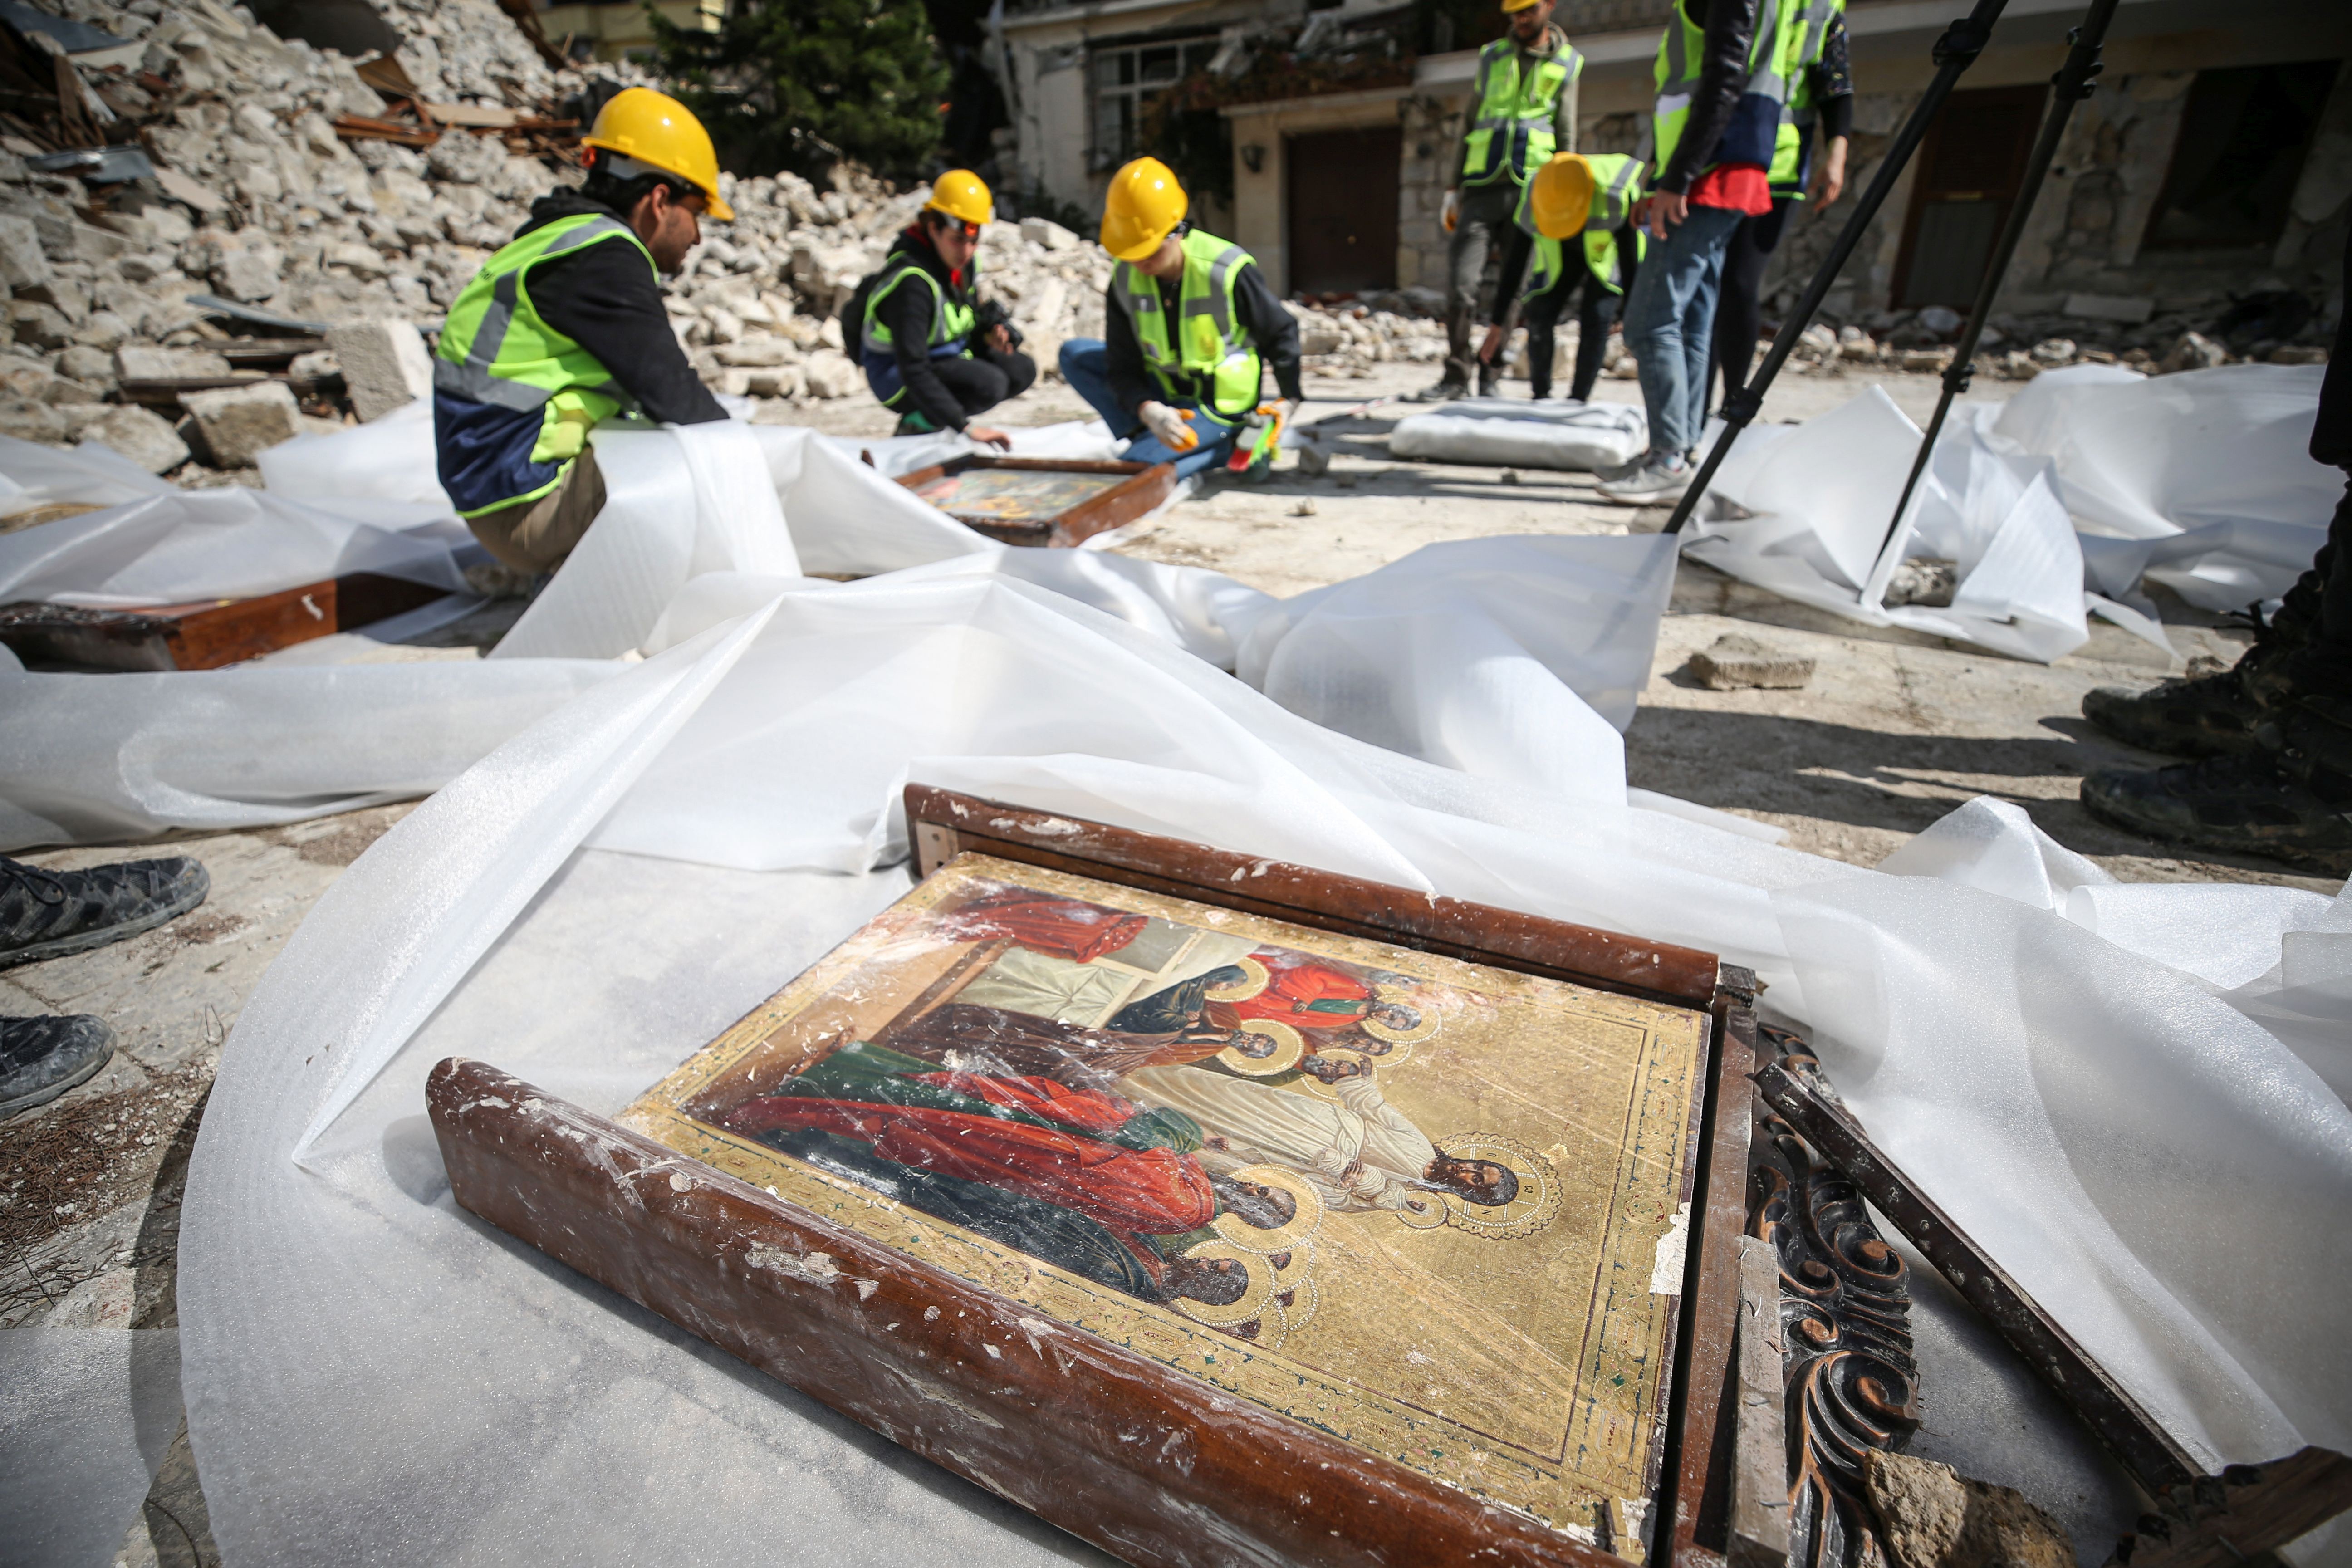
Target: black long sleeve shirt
pixel 907 310
pixel 1256 311
pixel 1730 28
pixel 605 299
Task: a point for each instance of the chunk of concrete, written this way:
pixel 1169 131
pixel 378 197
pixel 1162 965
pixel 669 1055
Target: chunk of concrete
pixel 42 326
pixel 1044 231
pixel 91 367
pixel 830 373
pixel 236 423
pixel 1934 1517
pixel 2194 351
pixel 28 420
pixel 22 261
pixel 385 364
pixel 763 352
pixel 133 363
pixel 249 272
pixel 139 434
pixel 1737 663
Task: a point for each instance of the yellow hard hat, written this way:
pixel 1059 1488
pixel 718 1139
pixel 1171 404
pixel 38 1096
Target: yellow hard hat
pixel 961 194
pixel 1145 203
pixel 1561 198
pixel 1509 5
pixel 657 130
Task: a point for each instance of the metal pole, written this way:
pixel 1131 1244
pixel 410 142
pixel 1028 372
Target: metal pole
pixel 1954 53
pixel 2073 83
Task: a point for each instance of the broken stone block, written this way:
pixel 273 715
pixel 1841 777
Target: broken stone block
pixel 2054 352
pixel 22 261
pixel 80 415
pixel 135 364
pixel 236 423
pixel 24 378
pixel 248 273
pixel 1934 1517
pixel 2194 351
pixel 27 420
pixel 1737 663
pixel 1047 233
pixel 831 374
pixel 363 261
pixel 758 354
pixel 157 227
pixel 385 364
pixel 103 330
pixel 191 193
pixel 146 268
pixel 311 369
pixel 65 390
pixel 91 367
pixel 784 381
pixel 42 326
pixel 1925 582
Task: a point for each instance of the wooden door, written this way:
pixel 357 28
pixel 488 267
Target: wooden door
pixel 1340 187
pixel 1970 168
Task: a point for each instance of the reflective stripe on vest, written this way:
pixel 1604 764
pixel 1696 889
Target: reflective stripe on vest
pixel 1677 77
pixel 1208 359
pixel 951 320
pixel 1796 115
pixel 1512 131
pixel 473 361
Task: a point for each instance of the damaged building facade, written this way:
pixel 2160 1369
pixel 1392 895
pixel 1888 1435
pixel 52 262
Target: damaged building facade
pixel 2214 162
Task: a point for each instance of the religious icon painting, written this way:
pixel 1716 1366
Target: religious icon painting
pixel 1432 1208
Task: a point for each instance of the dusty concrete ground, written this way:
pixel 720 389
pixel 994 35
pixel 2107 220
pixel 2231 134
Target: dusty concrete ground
pixel 1893 730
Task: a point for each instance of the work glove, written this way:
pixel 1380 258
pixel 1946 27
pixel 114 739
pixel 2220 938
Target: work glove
pixel 1168 425
pixel 1451 214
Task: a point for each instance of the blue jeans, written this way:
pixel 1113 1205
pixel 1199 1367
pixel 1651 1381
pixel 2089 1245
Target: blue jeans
pixel 1086 365
pixel 1670 324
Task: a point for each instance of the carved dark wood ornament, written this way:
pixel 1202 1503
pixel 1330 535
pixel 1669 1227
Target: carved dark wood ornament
pixel 1845 1309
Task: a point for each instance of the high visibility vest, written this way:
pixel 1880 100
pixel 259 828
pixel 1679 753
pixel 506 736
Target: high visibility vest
pixel 1209 359
pixel 1753 134
pixel 1511 129
pixel 952 319
pixel 1791 143
pixel 495 347
pixel 1616 187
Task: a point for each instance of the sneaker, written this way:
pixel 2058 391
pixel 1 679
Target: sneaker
pixel 48 914
pixel 2291 799
pixel 1443 391
pixel 41 1058
pixel 1659 480
pixel 2210 716
pixel 1616 471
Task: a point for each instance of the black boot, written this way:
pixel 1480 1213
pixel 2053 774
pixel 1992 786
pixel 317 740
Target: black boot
pixel 2212 715
pixel 1489 380
pixel 48 914
pixel 41 1058
pixel 1443 391
pixel 2290 799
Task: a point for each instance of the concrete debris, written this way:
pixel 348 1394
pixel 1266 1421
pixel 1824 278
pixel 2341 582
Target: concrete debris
pixel 237 423
pixel 2195 351
pixel 1933 1517
pixel 139 434
pixel 1920 580
pixel 1737 663
pixel 1348 337
pixel 384 363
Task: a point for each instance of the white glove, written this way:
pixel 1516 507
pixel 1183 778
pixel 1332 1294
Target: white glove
pixel 1451 214
pixel 1167 426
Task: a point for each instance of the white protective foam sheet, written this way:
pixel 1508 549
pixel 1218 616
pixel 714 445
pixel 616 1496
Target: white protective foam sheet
pixel 1557 432
pixel 33 476
pixel 86 1417
pixel 593 901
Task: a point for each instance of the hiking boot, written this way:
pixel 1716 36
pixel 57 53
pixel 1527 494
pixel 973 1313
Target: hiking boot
pixel 2291 799
pixel 1489 381
pixel 48 914
pixel 1660 481
pixel 915 422
pixel 41 1058
pixel 2207 716
pixel 1443 391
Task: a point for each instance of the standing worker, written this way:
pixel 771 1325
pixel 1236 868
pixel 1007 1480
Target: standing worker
pixel 564 328
pixel 1522 111
pixel 1181 393
pixel 1588 200
pixel 932 351
pixel 1716 128
pixel 1821 92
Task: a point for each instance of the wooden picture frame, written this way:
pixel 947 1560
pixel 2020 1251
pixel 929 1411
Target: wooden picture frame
pixel 1141 487
pixel 1103 1438
pixel 210 634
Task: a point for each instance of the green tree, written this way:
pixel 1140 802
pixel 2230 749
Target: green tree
pixel 793 84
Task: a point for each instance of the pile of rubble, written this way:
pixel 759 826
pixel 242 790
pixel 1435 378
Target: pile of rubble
pixel 1348 338
pixel 2130 333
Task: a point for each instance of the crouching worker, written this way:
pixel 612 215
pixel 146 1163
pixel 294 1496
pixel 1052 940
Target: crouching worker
pixel 932 352
pixel 564 328
pixel 1574 235
pixel 1190 329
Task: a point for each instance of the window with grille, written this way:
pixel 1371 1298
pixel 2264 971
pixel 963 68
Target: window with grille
pixel 1125 78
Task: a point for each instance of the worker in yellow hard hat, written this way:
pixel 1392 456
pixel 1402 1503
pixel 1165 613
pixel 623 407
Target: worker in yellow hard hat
pixel 564 328
pixel 931 349
pixel 1574 235
pixel 1189 330
pixel 1522 111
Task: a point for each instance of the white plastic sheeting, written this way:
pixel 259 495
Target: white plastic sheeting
pixel 1557 432
pixel 370 1374
pixel 33 476
pixel 86 1417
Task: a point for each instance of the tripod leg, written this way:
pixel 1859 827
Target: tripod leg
pixel 1954 52
pixel 2073 84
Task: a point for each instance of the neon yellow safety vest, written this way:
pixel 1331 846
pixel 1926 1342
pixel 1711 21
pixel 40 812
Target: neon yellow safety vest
pixel 1210 360
pixel 496 349
pixel 1616 187
pixel 1752 135
pixel 951 320
pixel 1797 116
pixel 1512 128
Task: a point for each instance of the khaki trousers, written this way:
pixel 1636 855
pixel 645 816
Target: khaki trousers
pixel 536 535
